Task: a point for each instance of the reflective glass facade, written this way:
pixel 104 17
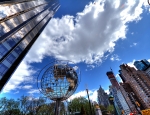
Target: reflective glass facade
pixel 142 65
pixel 20 25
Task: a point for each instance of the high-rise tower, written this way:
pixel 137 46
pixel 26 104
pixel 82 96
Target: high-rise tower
pixel 20 25
pixel 130 97
pixel 119 100
pixel 139 82
pixel 102 97
pixel 143 65
pixel 112 79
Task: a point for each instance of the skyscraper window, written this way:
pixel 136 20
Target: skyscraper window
pixel 10 58
pixel 3 50
pixel 3 69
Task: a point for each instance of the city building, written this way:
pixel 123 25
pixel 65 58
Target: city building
pixel 139 82
pixel 20 25
pixel 112 79
pixel 126 109
pixel 111 101
pixel 102 96
pixel 120 103
pixel 130 97
pixel 143 65
pixel 147 71
pixel 116 102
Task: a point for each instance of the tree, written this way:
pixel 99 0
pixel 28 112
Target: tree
pixel 45 109
pixel 83 112
pixel 3 104
pixel 35 104
pixel 12 112
pixel 28 106
pixel 103 109
pixel 24 104
pixel 9 107
pixel 49 109
pixel 77 103
pixel 62 108
pixel 110 108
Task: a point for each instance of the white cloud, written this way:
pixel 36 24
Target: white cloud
pixel 89 35
pixel 92 95
pixel 115 57
pixel 107 91
pixel 90 67
pixel 22 74
pixel 27 87
pixel 131 64
pixel 79 94
pixel 134 44
pixel 16 92
pixel 75 67
pixel 33 91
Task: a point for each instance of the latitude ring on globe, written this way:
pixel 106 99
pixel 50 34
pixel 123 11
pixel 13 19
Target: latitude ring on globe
pixel 59 80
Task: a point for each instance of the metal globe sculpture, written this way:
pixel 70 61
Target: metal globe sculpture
pixel 58 80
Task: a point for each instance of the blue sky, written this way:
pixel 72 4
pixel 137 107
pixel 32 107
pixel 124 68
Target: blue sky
pixel 96 35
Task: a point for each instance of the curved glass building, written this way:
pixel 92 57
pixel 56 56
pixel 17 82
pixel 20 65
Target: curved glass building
pixel 21 22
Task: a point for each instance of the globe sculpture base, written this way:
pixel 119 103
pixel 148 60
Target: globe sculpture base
pixel 57 107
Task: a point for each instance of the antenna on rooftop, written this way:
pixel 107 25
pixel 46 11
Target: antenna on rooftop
pixel 111 69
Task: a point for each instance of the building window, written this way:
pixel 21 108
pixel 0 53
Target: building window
pixel 15 21
pixel 1 30
pixel 11 58
pixel 22 32
pixel 9 24
pixel 18 50
pixel 3 50
pixel 11 42
pixel 3 69
pixel 17 36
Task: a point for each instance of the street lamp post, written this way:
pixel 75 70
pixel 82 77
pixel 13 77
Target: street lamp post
pixel 89 102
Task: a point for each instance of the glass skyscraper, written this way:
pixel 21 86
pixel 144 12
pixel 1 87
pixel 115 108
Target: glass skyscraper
pixel 142 65
pixel 21 22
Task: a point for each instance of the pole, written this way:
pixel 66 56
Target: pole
pixel 89 102
pixel 57 107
